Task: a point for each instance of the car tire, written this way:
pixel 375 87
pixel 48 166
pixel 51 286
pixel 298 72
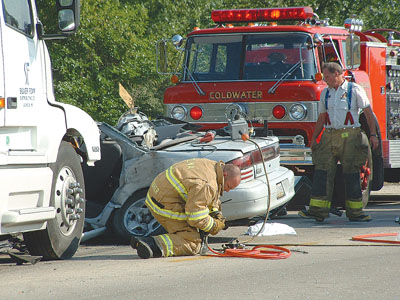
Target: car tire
pixel 135 219
pixel 61 238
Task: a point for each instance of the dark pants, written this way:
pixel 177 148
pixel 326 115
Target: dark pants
pixel 349 147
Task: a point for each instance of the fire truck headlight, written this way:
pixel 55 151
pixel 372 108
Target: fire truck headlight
pixel 298 112
pixel 179 113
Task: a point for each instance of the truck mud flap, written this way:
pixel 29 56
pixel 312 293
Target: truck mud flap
pixel 378 176
pixel 377 155
pixel 302 189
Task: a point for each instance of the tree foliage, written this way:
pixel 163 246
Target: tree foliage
pixel 116 43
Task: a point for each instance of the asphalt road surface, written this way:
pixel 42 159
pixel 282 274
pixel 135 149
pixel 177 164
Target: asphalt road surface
pixel 324 264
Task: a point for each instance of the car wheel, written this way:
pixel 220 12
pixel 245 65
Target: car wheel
pixel 135 219
pixel 61 238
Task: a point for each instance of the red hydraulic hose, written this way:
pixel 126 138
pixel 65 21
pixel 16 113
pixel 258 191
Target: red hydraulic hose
pixel 259 251
pixel 367 238
pixel 255 252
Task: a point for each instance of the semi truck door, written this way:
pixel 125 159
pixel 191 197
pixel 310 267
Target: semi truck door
pixel 2 101
pixel 23 76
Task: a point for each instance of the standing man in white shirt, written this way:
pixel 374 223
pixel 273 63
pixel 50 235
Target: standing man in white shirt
pixel 342 140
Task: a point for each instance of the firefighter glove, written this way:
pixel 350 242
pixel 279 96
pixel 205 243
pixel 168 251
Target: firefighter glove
pixel 217 215
pixel 218 226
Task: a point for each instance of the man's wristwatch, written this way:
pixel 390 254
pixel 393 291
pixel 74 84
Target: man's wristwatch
pixel 373 135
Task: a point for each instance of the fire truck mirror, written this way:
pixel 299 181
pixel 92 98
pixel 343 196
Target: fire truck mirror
pixel 353 52
pixel 177 41
pixel 318 39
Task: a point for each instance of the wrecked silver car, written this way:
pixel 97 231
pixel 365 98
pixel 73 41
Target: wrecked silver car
pixel 117 185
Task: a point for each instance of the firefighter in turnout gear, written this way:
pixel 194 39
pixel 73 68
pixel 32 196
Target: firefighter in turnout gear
pixel 342 140
pixel 185 201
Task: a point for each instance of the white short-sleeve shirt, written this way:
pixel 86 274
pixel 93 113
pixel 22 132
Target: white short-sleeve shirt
pixel 338 105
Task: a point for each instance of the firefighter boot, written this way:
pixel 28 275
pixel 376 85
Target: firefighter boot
pixel 362 218
pixel 146 247
pixel 305 214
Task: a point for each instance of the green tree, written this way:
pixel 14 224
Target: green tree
pixel 111 46
pixel 116 43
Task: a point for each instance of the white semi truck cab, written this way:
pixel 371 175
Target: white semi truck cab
pixel 42 142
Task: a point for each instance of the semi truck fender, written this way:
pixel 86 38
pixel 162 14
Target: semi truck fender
pixel 80 123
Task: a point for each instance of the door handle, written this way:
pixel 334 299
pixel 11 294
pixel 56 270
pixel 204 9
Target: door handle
pixel 12 102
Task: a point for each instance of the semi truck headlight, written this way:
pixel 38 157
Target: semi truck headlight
pixel 179 113
pixel 298 112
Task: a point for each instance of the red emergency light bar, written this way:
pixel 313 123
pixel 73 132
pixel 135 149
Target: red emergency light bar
pixel 261 14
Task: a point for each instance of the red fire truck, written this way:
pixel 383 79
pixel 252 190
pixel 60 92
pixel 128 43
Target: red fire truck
pixel 267 68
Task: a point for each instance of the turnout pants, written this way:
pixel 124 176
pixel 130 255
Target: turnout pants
pixel 350 147
pixel 181 239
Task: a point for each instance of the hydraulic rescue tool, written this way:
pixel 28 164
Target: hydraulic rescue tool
pixel 238 128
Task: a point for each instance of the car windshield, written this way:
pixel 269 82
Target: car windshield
pixel 249 57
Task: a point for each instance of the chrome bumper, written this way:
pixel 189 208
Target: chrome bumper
pixel 292 154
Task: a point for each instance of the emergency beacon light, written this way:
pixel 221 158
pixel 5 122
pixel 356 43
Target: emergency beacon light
pixel 262 14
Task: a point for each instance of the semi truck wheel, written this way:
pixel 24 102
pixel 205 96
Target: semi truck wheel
pixel 62 236
pixel 135 219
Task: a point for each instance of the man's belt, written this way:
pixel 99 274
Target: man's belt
pixel 342 129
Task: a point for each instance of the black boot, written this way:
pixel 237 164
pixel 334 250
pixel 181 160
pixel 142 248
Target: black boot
pixel 146 247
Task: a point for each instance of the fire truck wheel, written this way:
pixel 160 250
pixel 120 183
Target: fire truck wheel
pixel 62 235
pixel 366 175
pixel 135 219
